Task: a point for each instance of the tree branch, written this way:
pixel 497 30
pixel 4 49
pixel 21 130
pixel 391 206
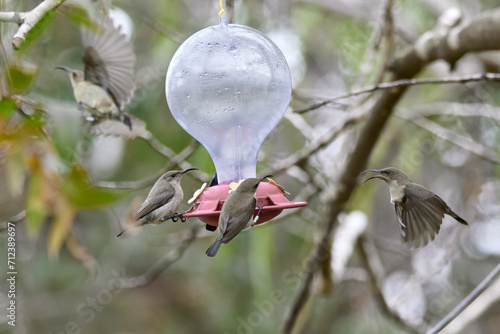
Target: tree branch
pixel 28 20
pixel 302 155
pixel 456 139
pixel 169 259
pixel 406 66
pixel 475 310
pixel 455 109
pixel 371 263
pixel 479 289
pixel 14 220
pixel 174 160
pixel 14 17
pixel 404 83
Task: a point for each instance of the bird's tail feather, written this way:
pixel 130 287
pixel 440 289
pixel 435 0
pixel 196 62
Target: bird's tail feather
pixel 214 248
pixel 126 120
pixel 458 218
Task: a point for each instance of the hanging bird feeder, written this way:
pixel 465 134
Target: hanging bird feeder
pixel 228 86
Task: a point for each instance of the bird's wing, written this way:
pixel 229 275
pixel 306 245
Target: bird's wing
pixel 116 128
pixel 420 214
pixel 109 62
pixel 162 195
pixel 234 224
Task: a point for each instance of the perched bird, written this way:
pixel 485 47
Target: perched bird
pixel 163 199
pixel 419 211
pixel 236 213
pixel 107 83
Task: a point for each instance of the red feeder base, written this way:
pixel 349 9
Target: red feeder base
pixel 208 205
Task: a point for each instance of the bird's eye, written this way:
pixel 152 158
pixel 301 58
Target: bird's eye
pixel 74 75
pixel 386 172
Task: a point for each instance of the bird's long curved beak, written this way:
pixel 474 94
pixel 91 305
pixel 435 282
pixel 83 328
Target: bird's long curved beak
pixel 370 170
pixel 188 170
pixel 374 177
pixel 64 68
pixel 264 177
pixel 379 176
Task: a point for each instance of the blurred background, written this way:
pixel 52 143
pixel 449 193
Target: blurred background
pixel 75 276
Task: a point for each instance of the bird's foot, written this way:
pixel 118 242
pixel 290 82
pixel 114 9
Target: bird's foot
pixel 175 218
pixel 258 215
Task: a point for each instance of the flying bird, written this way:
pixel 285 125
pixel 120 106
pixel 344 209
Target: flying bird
pixel 106 85
pixel 419 211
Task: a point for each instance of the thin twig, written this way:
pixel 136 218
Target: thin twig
pixel 169 259
pixel 13 220
pixel 454 109
pixel 305 153
pixel 157 146
pixel 403 83
pixel 162 29
pixel 481 305
pixel 456 139
pixel 371 263
pixel 388 32
pixel 370 55
pixel 174 160
pixel 479 289
pixel 131 184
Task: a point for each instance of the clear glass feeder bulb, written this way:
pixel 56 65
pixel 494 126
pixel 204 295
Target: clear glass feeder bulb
pixel 228 86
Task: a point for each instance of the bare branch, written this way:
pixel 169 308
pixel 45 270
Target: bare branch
pixel 28 20
pixel 302 155
pixel 456 139
pixel 388 32
pixel 436 44
pixel 475 310
pixel 81 254
pixel 131 184
pixel 14 17
pixel 169 259
pixel 372 265
pixel 174 160
pixel 404 83
pixel 163 30
pixel 14 220
pixel 479 289
pixel 455 109
pixel 157 146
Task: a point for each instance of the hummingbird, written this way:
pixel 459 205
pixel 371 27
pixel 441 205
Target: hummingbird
pixel 107 83
pixel 236 213
pixel 419 211
pixel 163 199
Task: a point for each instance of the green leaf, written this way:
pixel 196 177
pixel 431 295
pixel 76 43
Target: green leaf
pixel 78 15
pixel 83 195
pixel 7 107
pixel 19 78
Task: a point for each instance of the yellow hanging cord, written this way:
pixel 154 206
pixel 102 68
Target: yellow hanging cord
pixel 222 11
